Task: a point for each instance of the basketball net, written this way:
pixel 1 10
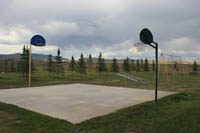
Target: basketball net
pixel 139 46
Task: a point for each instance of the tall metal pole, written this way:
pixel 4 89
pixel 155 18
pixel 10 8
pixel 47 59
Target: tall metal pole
pixel 147 38
pixel 156 76
pixel 30 66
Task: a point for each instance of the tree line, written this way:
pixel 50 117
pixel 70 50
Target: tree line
pixel 82 66
pixel 19 66
pixel 85 66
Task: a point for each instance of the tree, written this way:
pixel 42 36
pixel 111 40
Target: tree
pixel 137 65
pixel 18 66
pixel 12 66
pixel 6 66
pixel 99 62
pixel 25 62
pixel 195 67
pixel 146 65
pixel 104 68
pixel 90 63
pixel 153 66
pixel 81 65
pixel 141 65
pixel 126 65
pixel 59 64
pixel 1 67
pixel 176 66
pixel 101 66
pixel 114 66
pixel 72 65
pixel 133 65
pixel 50 65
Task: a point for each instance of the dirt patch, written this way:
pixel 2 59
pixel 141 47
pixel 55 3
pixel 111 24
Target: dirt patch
pixel 6 122
pixel 115 80
pixel 179 89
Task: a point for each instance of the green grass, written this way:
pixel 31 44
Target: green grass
pixel 173 83
pixel 176 113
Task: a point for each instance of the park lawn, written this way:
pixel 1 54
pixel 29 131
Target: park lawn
pixel 173 83
pixel 175 113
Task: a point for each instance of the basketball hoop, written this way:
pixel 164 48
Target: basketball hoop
pixel 139 46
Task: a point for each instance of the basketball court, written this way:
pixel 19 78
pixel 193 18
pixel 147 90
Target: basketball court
pixel 77 102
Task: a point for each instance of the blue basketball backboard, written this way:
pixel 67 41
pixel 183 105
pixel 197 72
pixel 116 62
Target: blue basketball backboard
pixel 38 40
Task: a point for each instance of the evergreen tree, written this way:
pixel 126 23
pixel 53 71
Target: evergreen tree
pixel 6 66
pixel 90 58
pixel 153 66
pixel 133 65
pixel 101 66
pixel 195 67
pixel 137 65
pixel 23 61
pixel 90 63
pixel 104 68
pixel 114 66
pixel 27 62
pixel 81 65
pixel 59 65
pixel 126 65
pixel 176 66
pixel 99 62
pixel 146 65
pixel 72 65
pixel 12 66
pixel 18 66
pixel 0 67
pixel 141 65
pixel 50 65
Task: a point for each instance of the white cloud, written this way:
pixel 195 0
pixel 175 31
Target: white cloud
pixel 79 25
pixel 45 49
pixel 11 37
pixel 10 49
pixel 16 34
pixel 109 54
pixel 182 45
pixel 60 27
pixel 17 48
pixel 186 47
pixel 118 50
pixel 70 6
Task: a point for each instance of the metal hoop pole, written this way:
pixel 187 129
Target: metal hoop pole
pixel 156 76
pixel 30 66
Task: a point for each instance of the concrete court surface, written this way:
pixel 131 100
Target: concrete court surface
pixel 76 102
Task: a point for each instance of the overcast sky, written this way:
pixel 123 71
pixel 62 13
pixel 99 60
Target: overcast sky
pixel 108 26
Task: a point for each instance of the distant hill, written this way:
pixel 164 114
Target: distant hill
pixel 34 56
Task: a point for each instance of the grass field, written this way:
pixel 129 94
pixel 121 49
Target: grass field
pixel 176 113
pixel 173 83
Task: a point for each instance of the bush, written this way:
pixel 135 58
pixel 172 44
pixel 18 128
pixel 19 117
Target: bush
pixel 194 73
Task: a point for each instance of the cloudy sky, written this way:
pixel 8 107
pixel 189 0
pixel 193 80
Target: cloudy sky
pixel 108 26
